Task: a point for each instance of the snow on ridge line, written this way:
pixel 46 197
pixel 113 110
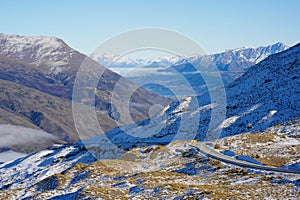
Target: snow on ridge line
pixel 15 39
pixel 252 54
pixel 35 49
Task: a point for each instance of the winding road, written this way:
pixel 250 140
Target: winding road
pixel 205 149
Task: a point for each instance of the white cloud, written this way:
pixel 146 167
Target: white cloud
pixel 15 135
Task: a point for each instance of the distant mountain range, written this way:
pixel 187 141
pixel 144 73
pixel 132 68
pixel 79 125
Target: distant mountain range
pixel 169 72
pixel 245 54
pixel 37 76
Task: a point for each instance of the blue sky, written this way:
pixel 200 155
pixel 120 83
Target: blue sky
pixel 215 24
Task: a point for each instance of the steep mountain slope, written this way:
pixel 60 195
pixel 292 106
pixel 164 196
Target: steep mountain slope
pixel 30 75
pixel 52 66
pixel 28 107
pixel 173 71
pixel 267 94
pixel 37 76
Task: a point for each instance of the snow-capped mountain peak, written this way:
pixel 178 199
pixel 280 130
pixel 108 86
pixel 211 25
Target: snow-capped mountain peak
pixel 245 54
pixel 255 55
pixel 109 60
pixel 35 49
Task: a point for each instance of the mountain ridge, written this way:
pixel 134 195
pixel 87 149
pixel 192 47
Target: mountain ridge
pixel 43 69
pixel 160 73
pixel 262 52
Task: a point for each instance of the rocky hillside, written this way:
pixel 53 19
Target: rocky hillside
pixel 37 76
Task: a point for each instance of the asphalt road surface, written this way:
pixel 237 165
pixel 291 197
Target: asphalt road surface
pixel 205 149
